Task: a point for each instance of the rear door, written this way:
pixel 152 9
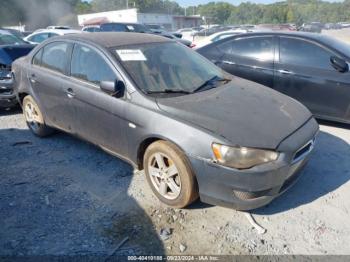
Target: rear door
pixel 250 58
pixel 100 116
pixel 304 72
pixel 47 73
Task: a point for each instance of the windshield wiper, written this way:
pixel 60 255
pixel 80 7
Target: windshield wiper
pixel 209 83
pixel 168 91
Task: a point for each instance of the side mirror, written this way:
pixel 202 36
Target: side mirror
pixel 339 64
pixel 116 88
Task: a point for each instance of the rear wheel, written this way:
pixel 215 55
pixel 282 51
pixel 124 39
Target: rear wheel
pixel 34 118
pixel 169 174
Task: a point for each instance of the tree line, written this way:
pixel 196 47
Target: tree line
pixel 41 13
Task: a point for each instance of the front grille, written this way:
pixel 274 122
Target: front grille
pixel 304 151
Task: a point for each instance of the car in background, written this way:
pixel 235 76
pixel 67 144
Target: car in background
pixel 212 30
pixel 44 34
pixel 194 129
pixel 60 27
pixel 188 33
pixel 332 26
pixel 91 28
pixel 14 32
pixel 218 36
pixel 11 48
pixel 344 24
pixel 314 27
pixel 276 27
pixel 312 68
pixel 156 28
pixel 139 28
pixel 124 27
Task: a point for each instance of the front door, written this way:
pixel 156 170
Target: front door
pixel 100 116
pixel 305 73
pixel 251 58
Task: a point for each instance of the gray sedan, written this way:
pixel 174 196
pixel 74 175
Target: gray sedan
pixel 195 130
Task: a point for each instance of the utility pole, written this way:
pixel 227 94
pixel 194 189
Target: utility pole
pixel 127 4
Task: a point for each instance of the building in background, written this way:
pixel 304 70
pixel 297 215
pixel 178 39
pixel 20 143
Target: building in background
pixel 170 22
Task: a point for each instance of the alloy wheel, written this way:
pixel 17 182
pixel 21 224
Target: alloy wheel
pixel 164 176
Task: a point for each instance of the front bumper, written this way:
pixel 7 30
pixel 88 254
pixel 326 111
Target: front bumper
pixel 255 187
pixel 7 96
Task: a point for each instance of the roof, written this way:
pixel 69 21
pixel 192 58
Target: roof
pixel 113 39
pixel 312 36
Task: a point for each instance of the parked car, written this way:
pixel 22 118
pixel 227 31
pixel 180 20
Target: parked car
pixel 277 27
pixel 344 24
pixel 311 68
pixel 14 32
pixel 60 27
pixel 155 28
pixel 91 28
pixel 332 26
pixel 139 28
pixel 314 27
pixel 41 35
pixel 192 127
pixel 212 30
pixel 218 36
pixel 124 27
pixel 11 48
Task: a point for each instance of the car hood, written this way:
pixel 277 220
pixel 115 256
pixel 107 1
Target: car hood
pixel 242 112
pixel 9 53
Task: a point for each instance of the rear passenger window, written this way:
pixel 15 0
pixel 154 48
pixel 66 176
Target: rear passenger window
pixel 259 48
pixel 299 52
pixel 90 66
pixel 55 56
pixel 37 58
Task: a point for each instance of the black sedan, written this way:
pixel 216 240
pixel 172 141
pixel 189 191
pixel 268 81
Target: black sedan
pixel 192 127
pixel 11 48
pixel 309 67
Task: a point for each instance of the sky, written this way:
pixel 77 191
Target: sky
pixel 235 2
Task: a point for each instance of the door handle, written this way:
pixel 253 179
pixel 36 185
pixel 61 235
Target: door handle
pixel 70 93
pixel 285 72
pixel 32 78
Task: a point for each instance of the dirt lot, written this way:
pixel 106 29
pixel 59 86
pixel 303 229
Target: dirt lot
pixel 60 195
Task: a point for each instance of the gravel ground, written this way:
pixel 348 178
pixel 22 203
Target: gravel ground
pixel 62 196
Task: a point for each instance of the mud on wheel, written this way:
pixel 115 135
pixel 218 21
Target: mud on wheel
pixel 34 117
pixel 169 174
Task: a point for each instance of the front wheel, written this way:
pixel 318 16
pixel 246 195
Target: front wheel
pixel 34 118
pixel 169 174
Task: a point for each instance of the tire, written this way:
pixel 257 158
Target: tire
pixel 172 181
pixel 34 118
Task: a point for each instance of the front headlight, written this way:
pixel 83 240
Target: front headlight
pixel 242 157
pixel 5 75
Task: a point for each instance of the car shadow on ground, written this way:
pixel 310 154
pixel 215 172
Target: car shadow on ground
pixel 327 170
pixel 62 196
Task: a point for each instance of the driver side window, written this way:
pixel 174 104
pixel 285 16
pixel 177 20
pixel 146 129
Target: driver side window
pixel 88 65
pixel 303 53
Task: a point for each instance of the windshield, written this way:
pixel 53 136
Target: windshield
pixel 7 39
pixel 170 66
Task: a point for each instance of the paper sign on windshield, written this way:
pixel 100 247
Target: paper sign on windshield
pixel 131 55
